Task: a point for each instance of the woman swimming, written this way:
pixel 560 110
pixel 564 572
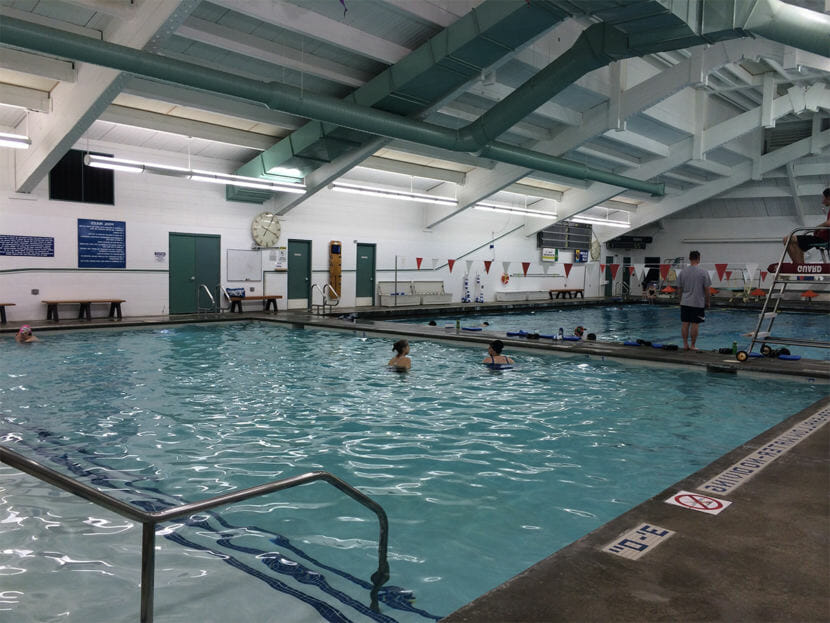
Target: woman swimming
pixel 400 361
pixel 496 360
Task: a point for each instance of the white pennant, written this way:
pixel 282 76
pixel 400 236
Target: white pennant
pixel 506 267
pixel 751 270
pixel 640 271
pixel 435 261
pixel 545 267
pixel 469 266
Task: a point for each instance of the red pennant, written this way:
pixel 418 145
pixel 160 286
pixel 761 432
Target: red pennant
pixel 763 275
pixel 664 270
pixel 602 268
pixel 525 266
pixel 614 269
pixel 487 266
pixel 728 275
pixel 418 261
pixel 450 263
pixel 721 268
pixel 630 270
pixel 568 269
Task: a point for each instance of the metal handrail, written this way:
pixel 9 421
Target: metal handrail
pixel 334 295
pixel 213 306
pixel 149 520
pixel 311 295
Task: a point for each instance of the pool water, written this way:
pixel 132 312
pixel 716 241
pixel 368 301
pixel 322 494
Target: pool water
pixel 655 323
pixel 481 472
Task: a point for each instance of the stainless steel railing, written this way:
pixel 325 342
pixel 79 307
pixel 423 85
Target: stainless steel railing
pixel 212 307
pixel 149 520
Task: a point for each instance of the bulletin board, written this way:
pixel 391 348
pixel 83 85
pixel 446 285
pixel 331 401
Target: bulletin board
pixel 244 265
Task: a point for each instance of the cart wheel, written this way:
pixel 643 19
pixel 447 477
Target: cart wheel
pixel 766 349
pixel 742 356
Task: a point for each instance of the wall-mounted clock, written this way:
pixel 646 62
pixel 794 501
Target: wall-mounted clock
pixel 265 229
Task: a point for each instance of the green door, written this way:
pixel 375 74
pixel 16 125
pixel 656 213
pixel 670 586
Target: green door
pixel 365 271
pixel 299 269
pixel 194 260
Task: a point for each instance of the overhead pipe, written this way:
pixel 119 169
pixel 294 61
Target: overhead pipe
pixel 23 34
pixel 788 24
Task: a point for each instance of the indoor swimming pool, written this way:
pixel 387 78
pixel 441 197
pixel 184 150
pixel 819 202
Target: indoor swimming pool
pixel 482 473
pixel 655 323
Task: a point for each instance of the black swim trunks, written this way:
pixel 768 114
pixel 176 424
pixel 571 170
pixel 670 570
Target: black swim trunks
pixel 692 314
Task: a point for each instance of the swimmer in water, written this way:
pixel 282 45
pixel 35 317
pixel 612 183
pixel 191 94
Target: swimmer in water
pixel 25 335
pixel 495 356
pixel 400 361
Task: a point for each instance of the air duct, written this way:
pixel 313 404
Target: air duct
pixel 26 35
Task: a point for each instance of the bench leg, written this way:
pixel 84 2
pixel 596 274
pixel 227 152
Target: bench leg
pixel 2 314
pixel 269 303
pixel 85 311
pixel 115 308
pixel 52 312
pixel 237 305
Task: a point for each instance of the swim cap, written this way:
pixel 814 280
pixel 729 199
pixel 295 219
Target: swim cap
pixel 579 331
pixel 25 330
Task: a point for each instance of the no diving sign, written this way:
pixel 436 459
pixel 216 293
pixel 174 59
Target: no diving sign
pixel 698 502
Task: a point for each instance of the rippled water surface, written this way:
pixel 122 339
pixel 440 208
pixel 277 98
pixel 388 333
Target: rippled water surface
pixel 482 473
pixel 655 323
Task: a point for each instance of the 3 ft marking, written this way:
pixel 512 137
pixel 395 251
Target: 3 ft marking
pixel 640 540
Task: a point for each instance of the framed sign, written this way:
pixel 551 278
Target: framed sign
pixel 102 244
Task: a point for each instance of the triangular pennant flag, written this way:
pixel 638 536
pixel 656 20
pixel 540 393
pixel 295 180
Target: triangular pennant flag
pixel 602 268
pixel 435 261
pixel 721 268
pixel 469 264
pixel 751 268
pixel 525 266
pixel 728 275
pixel 677 272
pixel 567 269
pixel 487 266
pixel 545 267
pixel 763 275
pixel 631 270
pixel 640 269
pixel 418 261
pixel 506 267
pixel 614 269
pixel 450 263
pixel 664 270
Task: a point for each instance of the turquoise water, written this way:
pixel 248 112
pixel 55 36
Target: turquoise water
pixel 482 473
pixel 655 323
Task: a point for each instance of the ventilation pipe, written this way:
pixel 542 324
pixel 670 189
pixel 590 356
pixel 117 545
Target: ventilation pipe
pixel 23 34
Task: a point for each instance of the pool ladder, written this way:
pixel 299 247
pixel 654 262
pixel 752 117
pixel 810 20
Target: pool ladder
pixel 149 521
pixel 324 290
pixel 213 306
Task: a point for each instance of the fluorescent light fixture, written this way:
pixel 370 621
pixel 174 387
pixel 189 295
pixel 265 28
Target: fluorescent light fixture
pixel 494 207
pixel 400 195
pixel 15 141
pixel 589 220
pixel 132 166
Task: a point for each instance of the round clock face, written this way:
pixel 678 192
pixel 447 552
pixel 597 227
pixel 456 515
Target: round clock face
pixel 265 229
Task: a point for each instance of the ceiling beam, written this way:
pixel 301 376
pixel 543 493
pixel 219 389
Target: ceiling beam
pixel 231 40
pixel 43 66
pixel 185 127
pixel 30 99
pixel 50 22
pixel 293 17
pixel 409 168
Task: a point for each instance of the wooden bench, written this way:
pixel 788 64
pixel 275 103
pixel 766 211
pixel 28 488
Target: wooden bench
pixel 567 293
pixel 3 311
pixel 268 301
pixel 84 311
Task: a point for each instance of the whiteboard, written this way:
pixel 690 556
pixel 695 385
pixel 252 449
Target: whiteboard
pixel 244 265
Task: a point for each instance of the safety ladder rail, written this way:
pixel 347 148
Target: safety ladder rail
pixel 149 520
pixel 321 307
pixel 199 308
pixel 763 334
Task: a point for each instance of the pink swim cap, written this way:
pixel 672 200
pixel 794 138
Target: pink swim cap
pixel 25 329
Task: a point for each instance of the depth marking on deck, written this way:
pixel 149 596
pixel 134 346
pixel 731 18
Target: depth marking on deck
pixel 736 475
pixel 634 544
pixel 698 502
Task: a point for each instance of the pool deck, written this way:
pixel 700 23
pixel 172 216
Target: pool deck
pixel 765 557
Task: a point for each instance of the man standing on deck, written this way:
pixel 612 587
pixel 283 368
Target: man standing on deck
pixel 797 245
pixel 693 285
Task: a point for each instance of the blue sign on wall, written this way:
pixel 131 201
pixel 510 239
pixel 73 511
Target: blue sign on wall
pixel 102 244
pixel 27 246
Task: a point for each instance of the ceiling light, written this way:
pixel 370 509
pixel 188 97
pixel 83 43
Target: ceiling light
pixel 401 195
pixel 213 177
pixel 15 141
pixel 494 207
pixel 589 220
pixel 286 171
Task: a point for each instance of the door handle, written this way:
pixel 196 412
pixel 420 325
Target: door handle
pixel 193 278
